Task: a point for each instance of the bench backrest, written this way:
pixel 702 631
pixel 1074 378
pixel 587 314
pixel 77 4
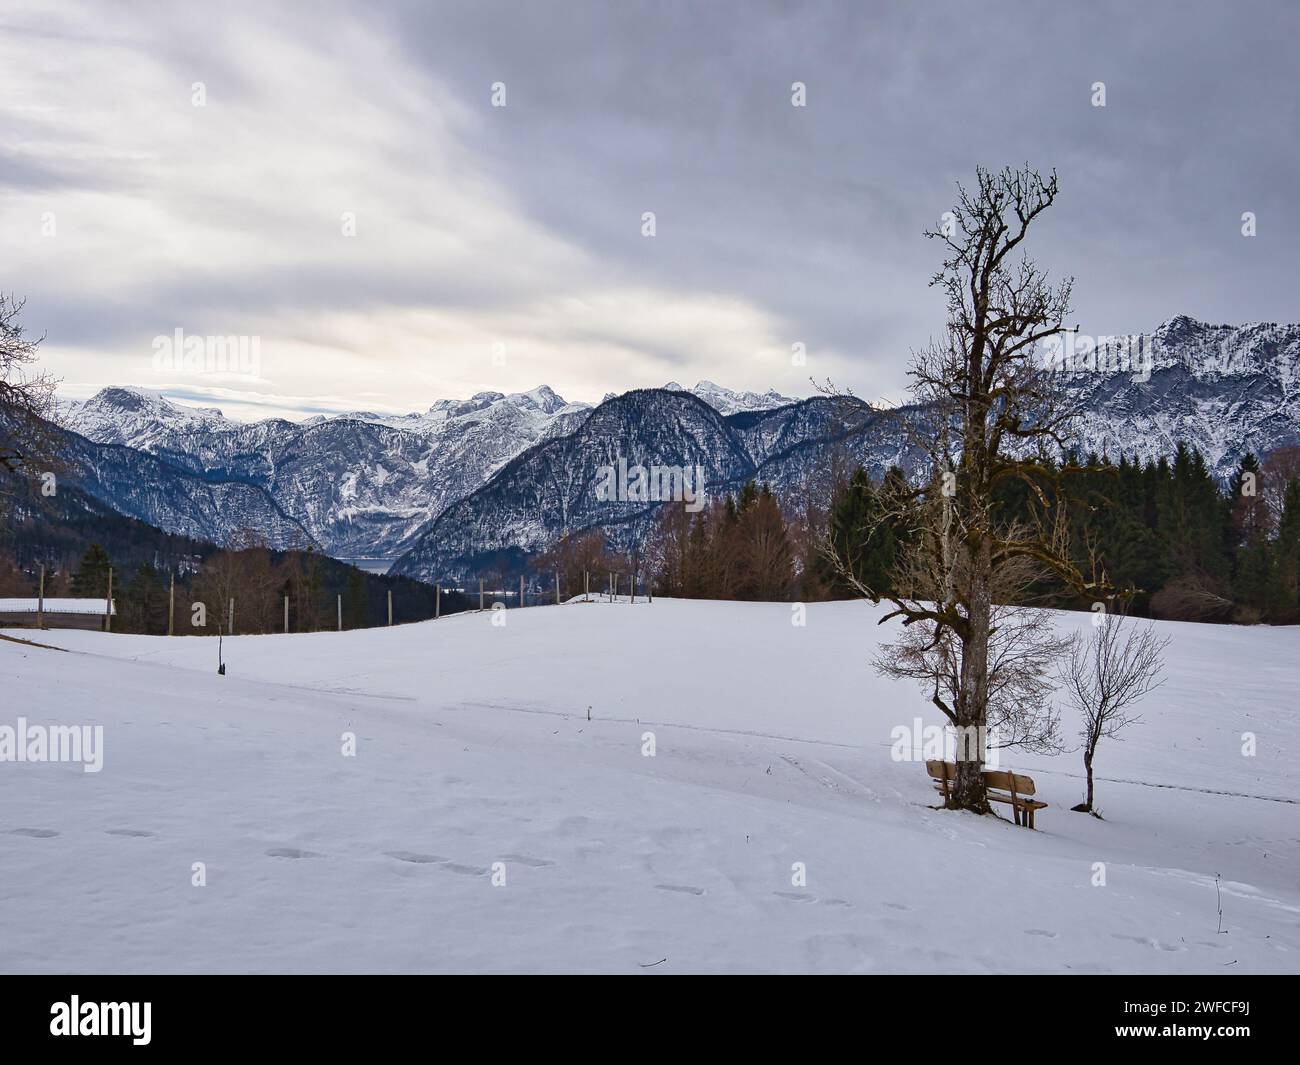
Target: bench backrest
pixel 1000 779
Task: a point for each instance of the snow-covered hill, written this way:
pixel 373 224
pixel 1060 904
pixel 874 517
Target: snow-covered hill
pixel 771 748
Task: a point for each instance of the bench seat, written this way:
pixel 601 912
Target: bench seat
pixel 1000 786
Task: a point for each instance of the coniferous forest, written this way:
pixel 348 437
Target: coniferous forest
pixel 1190 549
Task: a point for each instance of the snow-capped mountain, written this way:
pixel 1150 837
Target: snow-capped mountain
pixel 206 506
pixel 360 484
pixel 1228 390
pixel 725 401
pixel 508 473
pixel 553 487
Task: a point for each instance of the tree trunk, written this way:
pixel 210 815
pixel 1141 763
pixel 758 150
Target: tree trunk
pixel 972 705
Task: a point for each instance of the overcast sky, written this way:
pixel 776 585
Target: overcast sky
pixel 497 248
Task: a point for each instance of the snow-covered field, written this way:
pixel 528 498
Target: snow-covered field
pixel 772 747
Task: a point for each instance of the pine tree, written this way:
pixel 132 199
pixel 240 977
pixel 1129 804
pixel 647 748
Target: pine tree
pixel 91 579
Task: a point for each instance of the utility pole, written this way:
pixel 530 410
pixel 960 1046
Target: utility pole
pixel 40 602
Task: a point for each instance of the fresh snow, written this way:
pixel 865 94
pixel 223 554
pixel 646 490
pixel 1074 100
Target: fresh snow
pixel 773 748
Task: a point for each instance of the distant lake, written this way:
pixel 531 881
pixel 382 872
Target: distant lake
pixel 370 565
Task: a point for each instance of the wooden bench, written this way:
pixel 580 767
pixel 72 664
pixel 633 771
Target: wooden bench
pixel 1000 786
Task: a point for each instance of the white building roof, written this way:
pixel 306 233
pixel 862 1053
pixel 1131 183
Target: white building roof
pixel 54 606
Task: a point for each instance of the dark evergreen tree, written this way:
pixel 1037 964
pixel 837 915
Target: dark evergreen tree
pixel 91 578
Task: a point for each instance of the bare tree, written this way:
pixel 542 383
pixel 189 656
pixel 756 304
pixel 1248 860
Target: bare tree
pixel 1025 652
pixel 1280 467
pixel 26 404
pixel 1105 675
pixel 995 416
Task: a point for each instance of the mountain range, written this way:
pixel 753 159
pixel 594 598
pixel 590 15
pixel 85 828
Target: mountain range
pixel 504 474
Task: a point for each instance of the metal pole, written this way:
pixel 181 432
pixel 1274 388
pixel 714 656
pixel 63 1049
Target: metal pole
pixel 521 589
pixel 230 624
pixel 108 603
pixel 390 606
pixel 586 586
pixel 171 607
pixel 437 600
pixel 557 587
pixel 286 615
pixel 40 602
pixel 480 593
pixel 340 613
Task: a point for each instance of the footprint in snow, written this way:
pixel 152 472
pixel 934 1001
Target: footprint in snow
pixel 465 870
pixel 291 852
pixel 683 888
pixel 897 906
pixel 34 833
pixel 535 863
pixel 138 833
pixel 1040 932
pixel 803 896
pixel 1147 941
pixel 417 859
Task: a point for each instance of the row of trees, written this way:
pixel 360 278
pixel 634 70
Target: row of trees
pixel 1186 549
pixel 736 547
pixel 255 577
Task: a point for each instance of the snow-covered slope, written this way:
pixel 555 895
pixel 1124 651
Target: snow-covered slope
pixel 772 747
pixel 1227 389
